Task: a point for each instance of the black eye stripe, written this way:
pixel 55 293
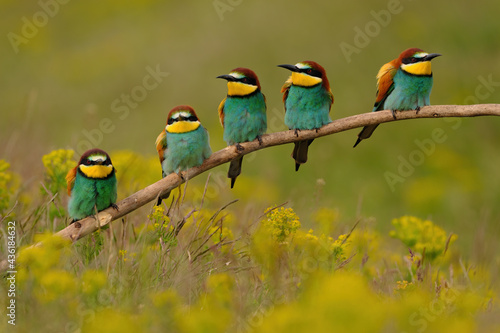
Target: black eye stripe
pixel 182 118
pixel 411 60
pixel 248 80
pixel 312 72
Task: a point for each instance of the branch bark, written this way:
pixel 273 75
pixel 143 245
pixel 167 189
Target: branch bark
pixel 88 225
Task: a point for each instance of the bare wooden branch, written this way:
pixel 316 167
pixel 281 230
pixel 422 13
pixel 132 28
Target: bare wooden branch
pixel 88 225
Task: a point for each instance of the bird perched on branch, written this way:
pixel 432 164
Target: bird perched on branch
pixel 308 100
pixel 91 185
pixel 403 84
pixel 183 143
pixel 242 113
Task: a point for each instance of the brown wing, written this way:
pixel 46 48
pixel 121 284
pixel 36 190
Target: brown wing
pixel 161 145
pixel 70 179
pixel 221 111
pixel 285 89
pixel 385 81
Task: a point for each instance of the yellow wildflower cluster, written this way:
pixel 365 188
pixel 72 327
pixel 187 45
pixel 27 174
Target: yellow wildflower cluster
pixel 125 256
pixel 163 231
pixel 402 285
pixel 57 164
pixel 304 254
pixel 39 259
pixel 309 282
pixel 345 302
pixel 338 247
pixel 283 223
pixel 41 268
pixel 319 253
pixel 157 216
pixel 8 185
pixel 418 235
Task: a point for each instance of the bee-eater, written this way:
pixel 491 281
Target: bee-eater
pixel 91 185
pixel 308 100
pixel 183 143
pixel 242 113
pixel 403 84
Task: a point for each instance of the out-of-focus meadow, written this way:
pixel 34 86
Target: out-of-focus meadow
pixel 82 74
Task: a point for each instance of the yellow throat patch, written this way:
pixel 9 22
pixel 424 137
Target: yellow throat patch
pixel 304 80
pixel 182 126
pixel 96 171
pixel 239 89
pixel 419 68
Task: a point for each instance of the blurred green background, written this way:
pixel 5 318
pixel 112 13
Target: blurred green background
pixel 64 78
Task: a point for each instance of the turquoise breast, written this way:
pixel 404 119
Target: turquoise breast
pixel 186 150
pixel 87 193
pixel 410 91
pixel 244 118
pixel 307 107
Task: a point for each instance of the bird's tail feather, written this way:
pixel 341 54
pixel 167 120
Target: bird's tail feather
pixel 234 169
pixel 299 153
pixel 161 197
pixel 365 133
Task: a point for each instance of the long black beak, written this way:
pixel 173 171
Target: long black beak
pixel 292 68
pixel 226 77
pixel 432 56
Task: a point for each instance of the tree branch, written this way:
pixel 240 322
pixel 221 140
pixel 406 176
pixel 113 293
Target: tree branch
pixel 88 225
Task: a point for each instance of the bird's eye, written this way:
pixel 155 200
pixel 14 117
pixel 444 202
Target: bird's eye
pixel 414 60
pixel 171 121
pixel 309 71
pixel 192 118
pixel 86 162
pixel 245 80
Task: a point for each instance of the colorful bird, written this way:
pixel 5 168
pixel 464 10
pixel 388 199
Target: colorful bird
pixel 242 113
pixel 183 143
pixel 308 100
pixel 91 185
pixel 403 84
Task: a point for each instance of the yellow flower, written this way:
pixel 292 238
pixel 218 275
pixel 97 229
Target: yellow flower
pixel 123 254
pixel 402 285
pixel 40 259
pixel 57 164
pixel 158 215
pixel 282 222
pixel 55 284
pixel 419 235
